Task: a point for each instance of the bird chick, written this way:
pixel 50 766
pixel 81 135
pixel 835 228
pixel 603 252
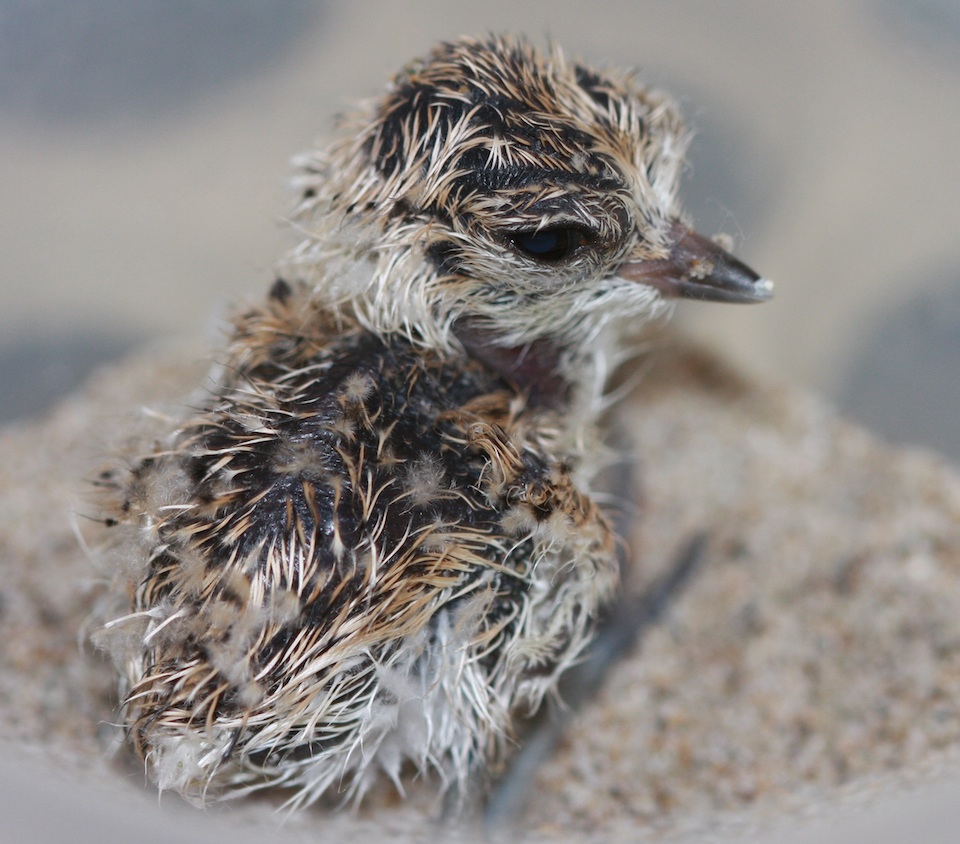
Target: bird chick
pixel 374 541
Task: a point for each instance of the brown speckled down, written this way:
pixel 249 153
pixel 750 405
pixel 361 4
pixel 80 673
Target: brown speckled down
pixel 815 655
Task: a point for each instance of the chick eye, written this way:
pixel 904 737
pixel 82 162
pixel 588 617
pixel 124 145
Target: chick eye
pixel 551 244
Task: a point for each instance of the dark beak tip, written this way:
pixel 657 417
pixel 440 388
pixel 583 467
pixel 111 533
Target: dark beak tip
pixel 763 290
pixel 747 292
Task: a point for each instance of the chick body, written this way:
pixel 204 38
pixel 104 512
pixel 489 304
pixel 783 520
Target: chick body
pixel 374 541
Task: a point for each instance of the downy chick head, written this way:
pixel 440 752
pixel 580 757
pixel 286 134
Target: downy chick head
pixel 496 196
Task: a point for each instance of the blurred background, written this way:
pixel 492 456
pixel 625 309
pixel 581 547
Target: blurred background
pixel 144 150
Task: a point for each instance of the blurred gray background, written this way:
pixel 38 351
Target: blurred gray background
pixel 144 150
pixel 143 160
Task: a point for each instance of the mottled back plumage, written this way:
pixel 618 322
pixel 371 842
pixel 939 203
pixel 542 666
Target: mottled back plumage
pixel 374 541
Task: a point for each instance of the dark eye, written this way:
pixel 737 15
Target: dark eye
pixel 550 244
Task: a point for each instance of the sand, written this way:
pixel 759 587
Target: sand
pixel 812 662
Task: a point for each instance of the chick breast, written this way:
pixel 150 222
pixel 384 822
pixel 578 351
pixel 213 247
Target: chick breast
pixel 357 552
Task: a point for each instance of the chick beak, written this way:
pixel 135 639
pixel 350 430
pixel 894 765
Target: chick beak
pixel 697 268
